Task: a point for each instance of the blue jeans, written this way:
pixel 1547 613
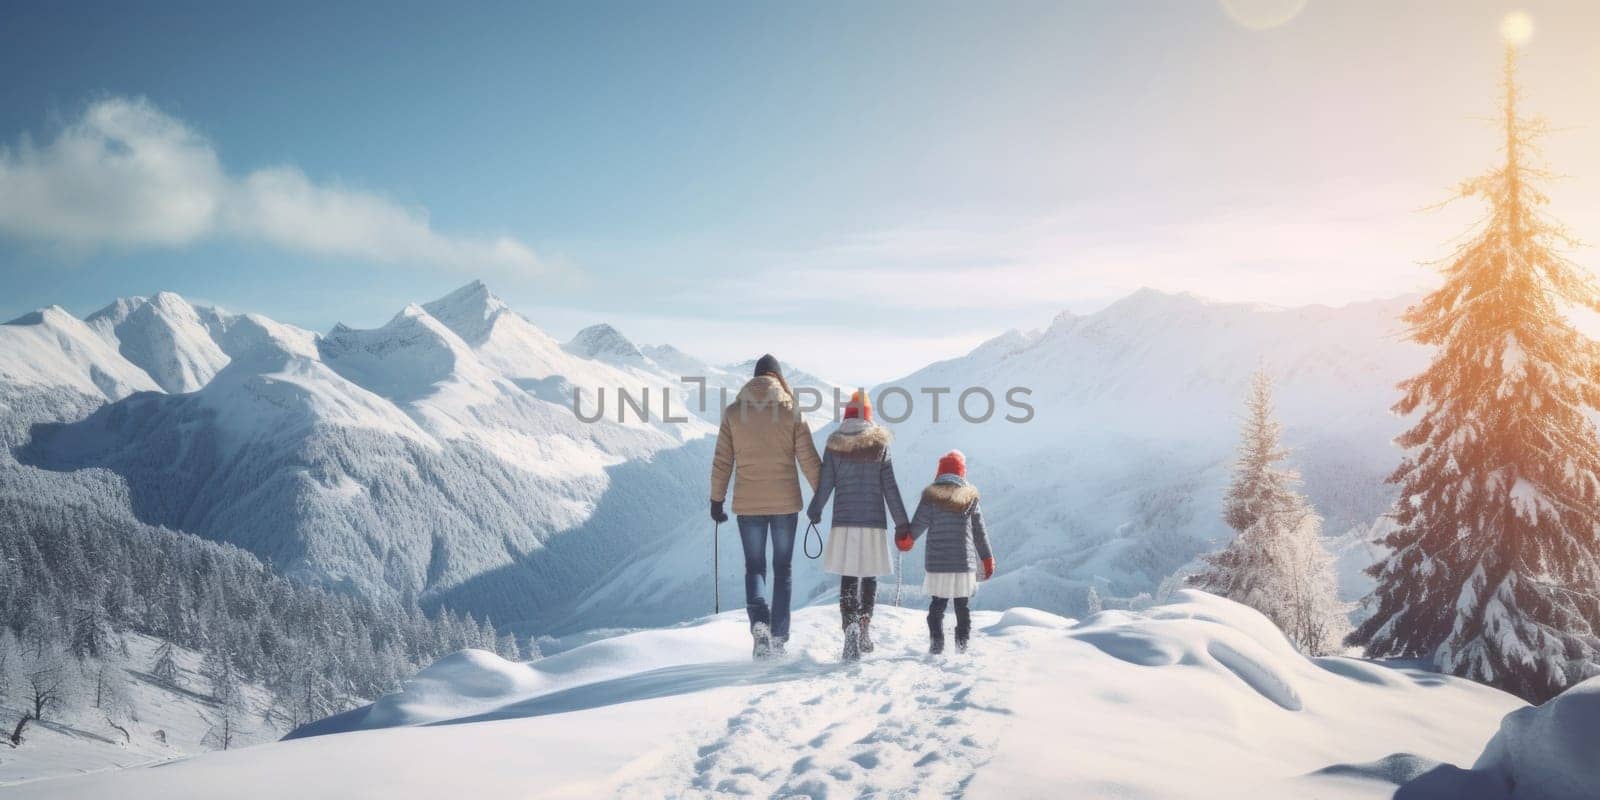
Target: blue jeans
pixel 753 530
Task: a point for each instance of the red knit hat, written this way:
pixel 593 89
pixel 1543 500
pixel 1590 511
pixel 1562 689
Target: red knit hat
pixel 953 463
pixel 860 406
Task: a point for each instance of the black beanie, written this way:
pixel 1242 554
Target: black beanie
pixel 768 365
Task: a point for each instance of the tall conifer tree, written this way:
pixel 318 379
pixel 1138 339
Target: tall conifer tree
pixel 1276 563
pixel 1495 563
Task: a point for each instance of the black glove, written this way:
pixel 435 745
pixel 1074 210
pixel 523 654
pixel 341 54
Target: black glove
pixel 816 520
pixel 717 514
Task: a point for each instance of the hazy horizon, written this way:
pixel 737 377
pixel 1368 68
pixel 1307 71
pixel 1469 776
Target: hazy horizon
pixel 871 187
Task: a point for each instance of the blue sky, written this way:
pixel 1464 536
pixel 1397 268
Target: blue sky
pixel 860 187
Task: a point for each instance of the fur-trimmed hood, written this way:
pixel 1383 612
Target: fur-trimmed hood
pixel 764 390
pixel 868 440
pixel 951 496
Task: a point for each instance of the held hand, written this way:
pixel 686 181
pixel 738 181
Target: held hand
pixel 902 538
pixel 717 514
pixel 988 568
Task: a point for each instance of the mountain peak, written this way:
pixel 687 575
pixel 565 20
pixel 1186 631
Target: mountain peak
pixel 170 301
pixel 116 311
pixel 163 335
pixel 1147 302
pixel 470 311
pixel 1008 344
pixel 603 341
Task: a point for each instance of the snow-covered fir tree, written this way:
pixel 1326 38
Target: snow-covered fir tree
pixel 1495 563
pixel 165 668
pixel 1276 563
pixel 220 673
pixel 78 578
pixel 1258 483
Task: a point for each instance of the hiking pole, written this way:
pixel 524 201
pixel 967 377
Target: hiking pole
pixel 716 567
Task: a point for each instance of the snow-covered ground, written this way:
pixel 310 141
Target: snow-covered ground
pixel 148 723
pixel 1197 698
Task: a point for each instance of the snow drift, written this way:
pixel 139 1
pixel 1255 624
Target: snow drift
pixel 1542 752
pixel 1198 698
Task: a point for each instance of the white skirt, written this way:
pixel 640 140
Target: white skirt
pixel 950 584
pixel 858 552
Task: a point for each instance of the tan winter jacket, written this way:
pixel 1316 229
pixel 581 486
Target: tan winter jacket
pixel 762 438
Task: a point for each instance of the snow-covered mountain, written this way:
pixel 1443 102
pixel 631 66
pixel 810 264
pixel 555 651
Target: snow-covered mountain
pixel 438 455
pixel 51 349
pixel 1136 413
pixel 1199 698
pixel 164 336
pixel 1116 479
pixel 401 459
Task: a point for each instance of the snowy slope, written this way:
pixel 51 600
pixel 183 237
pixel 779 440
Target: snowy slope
pixel 439 454
pixel 165 336
pixel 394 460
pixel 157 723
pixel 1136 417
pixel 600 360
pixel 1117 480
pixel 283 455
pixel 1201 698
pixel 51 348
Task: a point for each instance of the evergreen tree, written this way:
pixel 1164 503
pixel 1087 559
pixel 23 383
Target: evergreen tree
pixel 76 581
pixel 89 633
pixel 220 674
pixel 508 649
pixel 1258 484
pixel 165 668
pixel 1276 563
pixel 1495 561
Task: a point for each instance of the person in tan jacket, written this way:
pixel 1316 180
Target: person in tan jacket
pixel 762 438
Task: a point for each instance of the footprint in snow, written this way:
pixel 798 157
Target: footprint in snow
pixel 867 760
pixel 881 727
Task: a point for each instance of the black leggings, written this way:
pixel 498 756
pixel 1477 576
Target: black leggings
pixel 856 597
pixel 936 617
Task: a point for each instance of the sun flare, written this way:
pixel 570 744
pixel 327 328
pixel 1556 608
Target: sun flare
pixel 1517 28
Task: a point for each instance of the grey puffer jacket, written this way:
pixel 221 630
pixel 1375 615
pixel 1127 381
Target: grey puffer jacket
pixel 858 473
pixel 949 514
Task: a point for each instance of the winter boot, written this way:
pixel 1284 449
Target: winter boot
pixel 852 642
pixel 963 625
pixel 780 647
pixel 866 634
pixel 762 636
pixel 936 625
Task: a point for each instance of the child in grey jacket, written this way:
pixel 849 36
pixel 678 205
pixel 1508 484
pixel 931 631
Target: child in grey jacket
pixel 859 475
pixel 958 547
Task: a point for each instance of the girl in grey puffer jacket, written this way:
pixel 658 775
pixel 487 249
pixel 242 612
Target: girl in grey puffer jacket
pixel 958 547
pixel 858 473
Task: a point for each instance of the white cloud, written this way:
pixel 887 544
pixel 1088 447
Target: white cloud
pixel 127 174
